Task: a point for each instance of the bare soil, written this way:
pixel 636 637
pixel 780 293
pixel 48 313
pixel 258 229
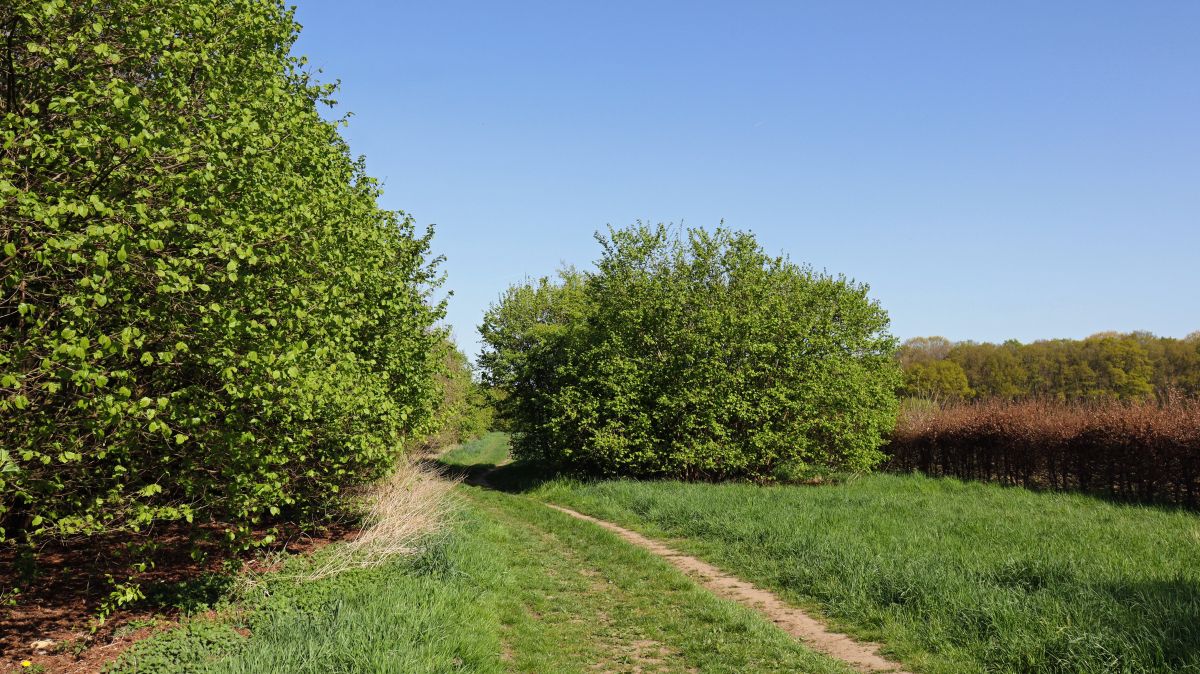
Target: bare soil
pixel 51 622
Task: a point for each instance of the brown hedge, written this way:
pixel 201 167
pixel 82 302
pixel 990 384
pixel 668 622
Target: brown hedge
pixel 1131 451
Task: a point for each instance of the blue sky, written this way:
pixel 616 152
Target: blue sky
pixel 993 170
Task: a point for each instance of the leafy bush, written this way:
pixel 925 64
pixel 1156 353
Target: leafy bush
pixel 694 355
pixel 464 410
pixel 203 312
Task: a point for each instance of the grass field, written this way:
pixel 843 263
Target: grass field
pixel 515 587
pixel 951 576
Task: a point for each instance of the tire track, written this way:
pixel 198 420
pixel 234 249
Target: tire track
pixel 863 656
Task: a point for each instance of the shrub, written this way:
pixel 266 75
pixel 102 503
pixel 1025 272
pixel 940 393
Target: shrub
pixel 1133 451
pixel 464 411
pixel 693 355
pixel 204 314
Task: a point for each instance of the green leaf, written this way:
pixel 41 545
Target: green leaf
pixel 116 251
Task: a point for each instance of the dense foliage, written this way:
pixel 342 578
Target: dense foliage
pixel 1133 451
pixel 1106 366
pixel 694 355
pixel 464 408
pixel 203 313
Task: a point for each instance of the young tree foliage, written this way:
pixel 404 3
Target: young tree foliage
pixel 203 313
pixel 693 355
pixel 464 410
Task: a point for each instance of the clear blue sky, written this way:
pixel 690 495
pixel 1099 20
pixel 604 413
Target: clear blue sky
pixel 993 170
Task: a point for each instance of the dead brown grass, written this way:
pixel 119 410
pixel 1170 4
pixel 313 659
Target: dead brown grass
pixel 402 512
pixel 1133 451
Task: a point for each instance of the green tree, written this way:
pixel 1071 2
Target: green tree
pixel 1122 367
pixel 693 355
pixel 919 350
pixel 1107 365
pixel 993 370
pixel 203 312
pixel 1175 363
pixel 940 380
pixel 530 341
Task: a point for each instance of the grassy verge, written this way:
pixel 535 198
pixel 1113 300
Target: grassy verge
pixel 431 613
pixel 490 449
pixel 951 576
pixel 515 586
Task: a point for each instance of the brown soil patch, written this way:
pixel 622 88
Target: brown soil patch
pixel 863 656
pixel 58 603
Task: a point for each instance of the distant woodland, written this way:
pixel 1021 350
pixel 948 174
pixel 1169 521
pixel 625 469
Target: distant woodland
pixel 1107 366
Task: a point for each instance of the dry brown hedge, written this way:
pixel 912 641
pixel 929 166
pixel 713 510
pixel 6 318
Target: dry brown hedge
pixel 1141 451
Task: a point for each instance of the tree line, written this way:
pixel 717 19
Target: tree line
pixel 1135 366
pixel 206 320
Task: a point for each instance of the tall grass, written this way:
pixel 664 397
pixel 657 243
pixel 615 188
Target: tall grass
pixel 434 611
pixel 952 577
pixel 1132 451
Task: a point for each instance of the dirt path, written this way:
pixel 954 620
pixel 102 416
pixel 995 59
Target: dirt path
pixel 860 655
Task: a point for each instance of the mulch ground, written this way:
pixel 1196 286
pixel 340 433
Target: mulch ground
pixel 59 601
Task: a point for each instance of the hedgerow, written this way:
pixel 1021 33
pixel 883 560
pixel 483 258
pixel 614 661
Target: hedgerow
pixel 692 355
pixel 463 411
pixel 1135 451
pixel 204 315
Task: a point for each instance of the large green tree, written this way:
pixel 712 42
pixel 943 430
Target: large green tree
pixel 203 312
pixel 693 354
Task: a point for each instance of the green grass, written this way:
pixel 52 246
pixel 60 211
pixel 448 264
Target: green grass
pixel 433 613
pixel 584 600
pixel 951 576
pixel 491 449
pixel 516 587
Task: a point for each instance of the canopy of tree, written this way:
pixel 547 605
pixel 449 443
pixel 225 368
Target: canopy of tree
pixel 203 313
pixel 694 355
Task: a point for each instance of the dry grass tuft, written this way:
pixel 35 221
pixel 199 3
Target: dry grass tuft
pixel 402 511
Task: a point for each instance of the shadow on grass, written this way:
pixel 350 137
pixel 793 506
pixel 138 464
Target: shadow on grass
pixel 514 478
pixel 1166 614
pixel 191 595
pixel 524 476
